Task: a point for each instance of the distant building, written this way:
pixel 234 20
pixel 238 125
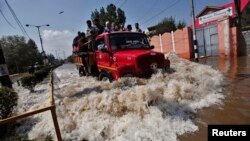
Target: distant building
pixel 218 30
pixel 152 29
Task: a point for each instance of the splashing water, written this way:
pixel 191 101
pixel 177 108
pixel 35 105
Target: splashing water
pixel 159 108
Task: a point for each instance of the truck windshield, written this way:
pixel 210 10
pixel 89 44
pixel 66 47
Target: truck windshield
pixel 128 41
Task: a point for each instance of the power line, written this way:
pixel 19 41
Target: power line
pixel 150 9
pixel 156 15
pixel 6 19
pixel 123 3
pixel 17 20
pixel 117 3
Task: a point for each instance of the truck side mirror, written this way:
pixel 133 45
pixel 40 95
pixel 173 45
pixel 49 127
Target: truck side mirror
pixel 152 47
pixel 104 49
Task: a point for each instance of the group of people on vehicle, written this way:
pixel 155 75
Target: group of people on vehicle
pixel 84 43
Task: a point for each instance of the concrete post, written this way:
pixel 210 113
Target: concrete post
pixel 173 40
pixel 161 43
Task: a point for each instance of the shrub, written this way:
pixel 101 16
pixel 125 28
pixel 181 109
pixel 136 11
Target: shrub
pixel 29 82
pixel 8 101
pixel 40 75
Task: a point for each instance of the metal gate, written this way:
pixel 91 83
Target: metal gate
pixel 207 39
pixel 244 48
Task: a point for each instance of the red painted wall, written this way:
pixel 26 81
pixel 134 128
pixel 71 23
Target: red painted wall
pixel 183 43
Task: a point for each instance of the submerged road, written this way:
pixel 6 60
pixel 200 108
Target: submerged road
pixel 236 108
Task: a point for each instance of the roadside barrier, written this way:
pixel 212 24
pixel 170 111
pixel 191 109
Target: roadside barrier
pixel 52 109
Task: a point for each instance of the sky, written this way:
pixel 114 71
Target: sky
pixel 57 38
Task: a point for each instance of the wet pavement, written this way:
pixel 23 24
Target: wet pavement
pixel 236 107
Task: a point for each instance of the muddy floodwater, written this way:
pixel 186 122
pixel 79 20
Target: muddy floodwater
pixel 236 107
pixel 174 106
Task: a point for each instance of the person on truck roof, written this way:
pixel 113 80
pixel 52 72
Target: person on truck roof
pixel 129 28
pixel 114 27
pixel 137 28
pixel 98 26
pixel 122 28
pixel 107 27
pixel 91 33
pixel 91 30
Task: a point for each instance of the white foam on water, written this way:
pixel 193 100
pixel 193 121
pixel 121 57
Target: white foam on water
pixel 159 108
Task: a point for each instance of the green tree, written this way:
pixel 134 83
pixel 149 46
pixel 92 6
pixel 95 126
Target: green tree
pixel 111 13
pixel 121 18
pixel 18 53
pixel 8 103
pixel 70 58
pixel 51 58
pixel 181 24
pixel 167 24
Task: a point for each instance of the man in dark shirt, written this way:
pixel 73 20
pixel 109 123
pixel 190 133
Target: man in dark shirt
pixel 75 40
pixel 98 26
pixel 83 52
pixel 137 28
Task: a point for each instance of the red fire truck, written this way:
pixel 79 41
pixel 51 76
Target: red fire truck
pixel 122 54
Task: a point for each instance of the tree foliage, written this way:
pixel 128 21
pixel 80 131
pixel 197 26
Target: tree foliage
pixel 8 101
pixel 19 54
pixel 111 13
pixel 70 58
pixel 168 24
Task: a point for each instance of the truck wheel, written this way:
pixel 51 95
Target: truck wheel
pixel 81 71
pixel 128 75
pixel 166 69
pixel 94 70
pixel 104 76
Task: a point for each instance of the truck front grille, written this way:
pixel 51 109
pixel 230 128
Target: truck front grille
pixel 147 62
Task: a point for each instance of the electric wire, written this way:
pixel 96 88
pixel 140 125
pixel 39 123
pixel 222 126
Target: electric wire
pixel 150 9
pixel 16 19
pixel 123 3
pixel 161 12
pixel 6 19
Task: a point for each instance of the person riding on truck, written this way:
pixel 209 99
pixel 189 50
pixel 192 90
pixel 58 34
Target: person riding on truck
pixel 75 42
pixel 83 52
pixel 91 33
pixel 97 24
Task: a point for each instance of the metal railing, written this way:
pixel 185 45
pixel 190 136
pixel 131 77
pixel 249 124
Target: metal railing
pixel 52 109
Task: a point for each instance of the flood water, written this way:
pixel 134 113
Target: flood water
pixel 236 107
pixel 175 106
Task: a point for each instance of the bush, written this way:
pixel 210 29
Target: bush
pixel 29 82
pixel 40 75
pixel 8 101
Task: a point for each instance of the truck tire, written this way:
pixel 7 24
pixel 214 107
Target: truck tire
pixel 104 76
pixel 128 75
pixel 94 70
pixel 81 71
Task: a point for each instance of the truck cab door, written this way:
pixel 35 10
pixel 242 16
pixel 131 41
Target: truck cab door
pixel 102 53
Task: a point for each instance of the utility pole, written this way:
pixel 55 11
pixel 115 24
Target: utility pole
pixel 237 4
pixel 64 55
pixel 4 74
pixel 56 54
pixel 41 41
pixel 194 32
